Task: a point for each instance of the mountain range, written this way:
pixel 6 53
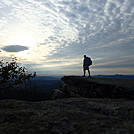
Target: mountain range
pixel 117 76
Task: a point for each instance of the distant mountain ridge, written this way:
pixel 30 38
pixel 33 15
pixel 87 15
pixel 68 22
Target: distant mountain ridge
pixel 46 83
pixel 47 78
pixel 117 76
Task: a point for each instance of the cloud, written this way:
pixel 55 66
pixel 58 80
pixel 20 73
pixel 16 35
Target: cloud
pixel 14 48
pixel 73 21
pixel 70 28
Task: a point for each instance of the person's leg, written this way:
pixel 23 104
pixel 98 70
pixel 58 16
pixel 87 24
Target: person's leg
pixel 88 72
pixel 84 71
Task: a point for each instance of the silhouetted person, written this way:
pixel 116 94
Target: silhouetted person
pixel 86 63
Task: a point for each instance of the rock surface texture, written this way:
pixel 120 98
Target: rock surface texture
pixel 67 116
pixel 74 86
pixel 84 113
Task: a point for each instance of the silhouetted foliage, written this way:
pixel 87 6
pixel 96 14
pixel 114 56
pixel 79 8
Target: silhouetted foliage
pixel 12 74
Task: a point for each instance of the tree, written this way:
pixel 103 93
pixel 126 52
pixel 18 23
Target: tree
pixel 12 74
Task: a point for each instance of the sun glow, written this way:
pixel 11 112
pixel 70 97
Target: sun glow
pixel 23 39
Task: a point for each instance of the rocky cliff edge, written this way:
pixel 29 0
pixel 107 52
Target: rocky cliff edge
pixel 75 86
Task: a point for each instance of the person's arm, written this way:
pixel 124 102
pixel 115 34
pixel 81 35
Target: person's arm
pixel 83 62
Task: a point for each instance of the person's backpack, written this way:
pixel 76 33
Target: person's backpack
pixel 90 61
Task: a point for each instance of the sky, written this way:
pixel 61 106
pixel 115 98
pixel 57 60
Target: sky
pixel 51 36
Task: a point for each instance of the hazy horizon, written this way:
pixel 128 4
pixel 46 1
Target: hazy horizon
pixel 51 75
pixel 51 37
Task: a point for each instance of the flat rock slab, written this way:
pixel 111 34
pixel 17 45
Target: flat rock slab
pixel 129 84
pixel 67 116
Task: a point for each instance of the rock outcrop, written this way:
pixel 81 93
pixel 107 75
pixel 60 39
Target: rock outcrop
pixel 74 86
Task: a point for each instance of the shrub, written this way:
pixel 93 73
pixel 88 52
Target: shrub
pixel 12 74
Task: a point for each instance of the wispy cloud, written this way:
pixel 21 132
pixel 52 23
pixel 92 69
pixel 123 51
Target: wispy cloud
pixel 63 28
